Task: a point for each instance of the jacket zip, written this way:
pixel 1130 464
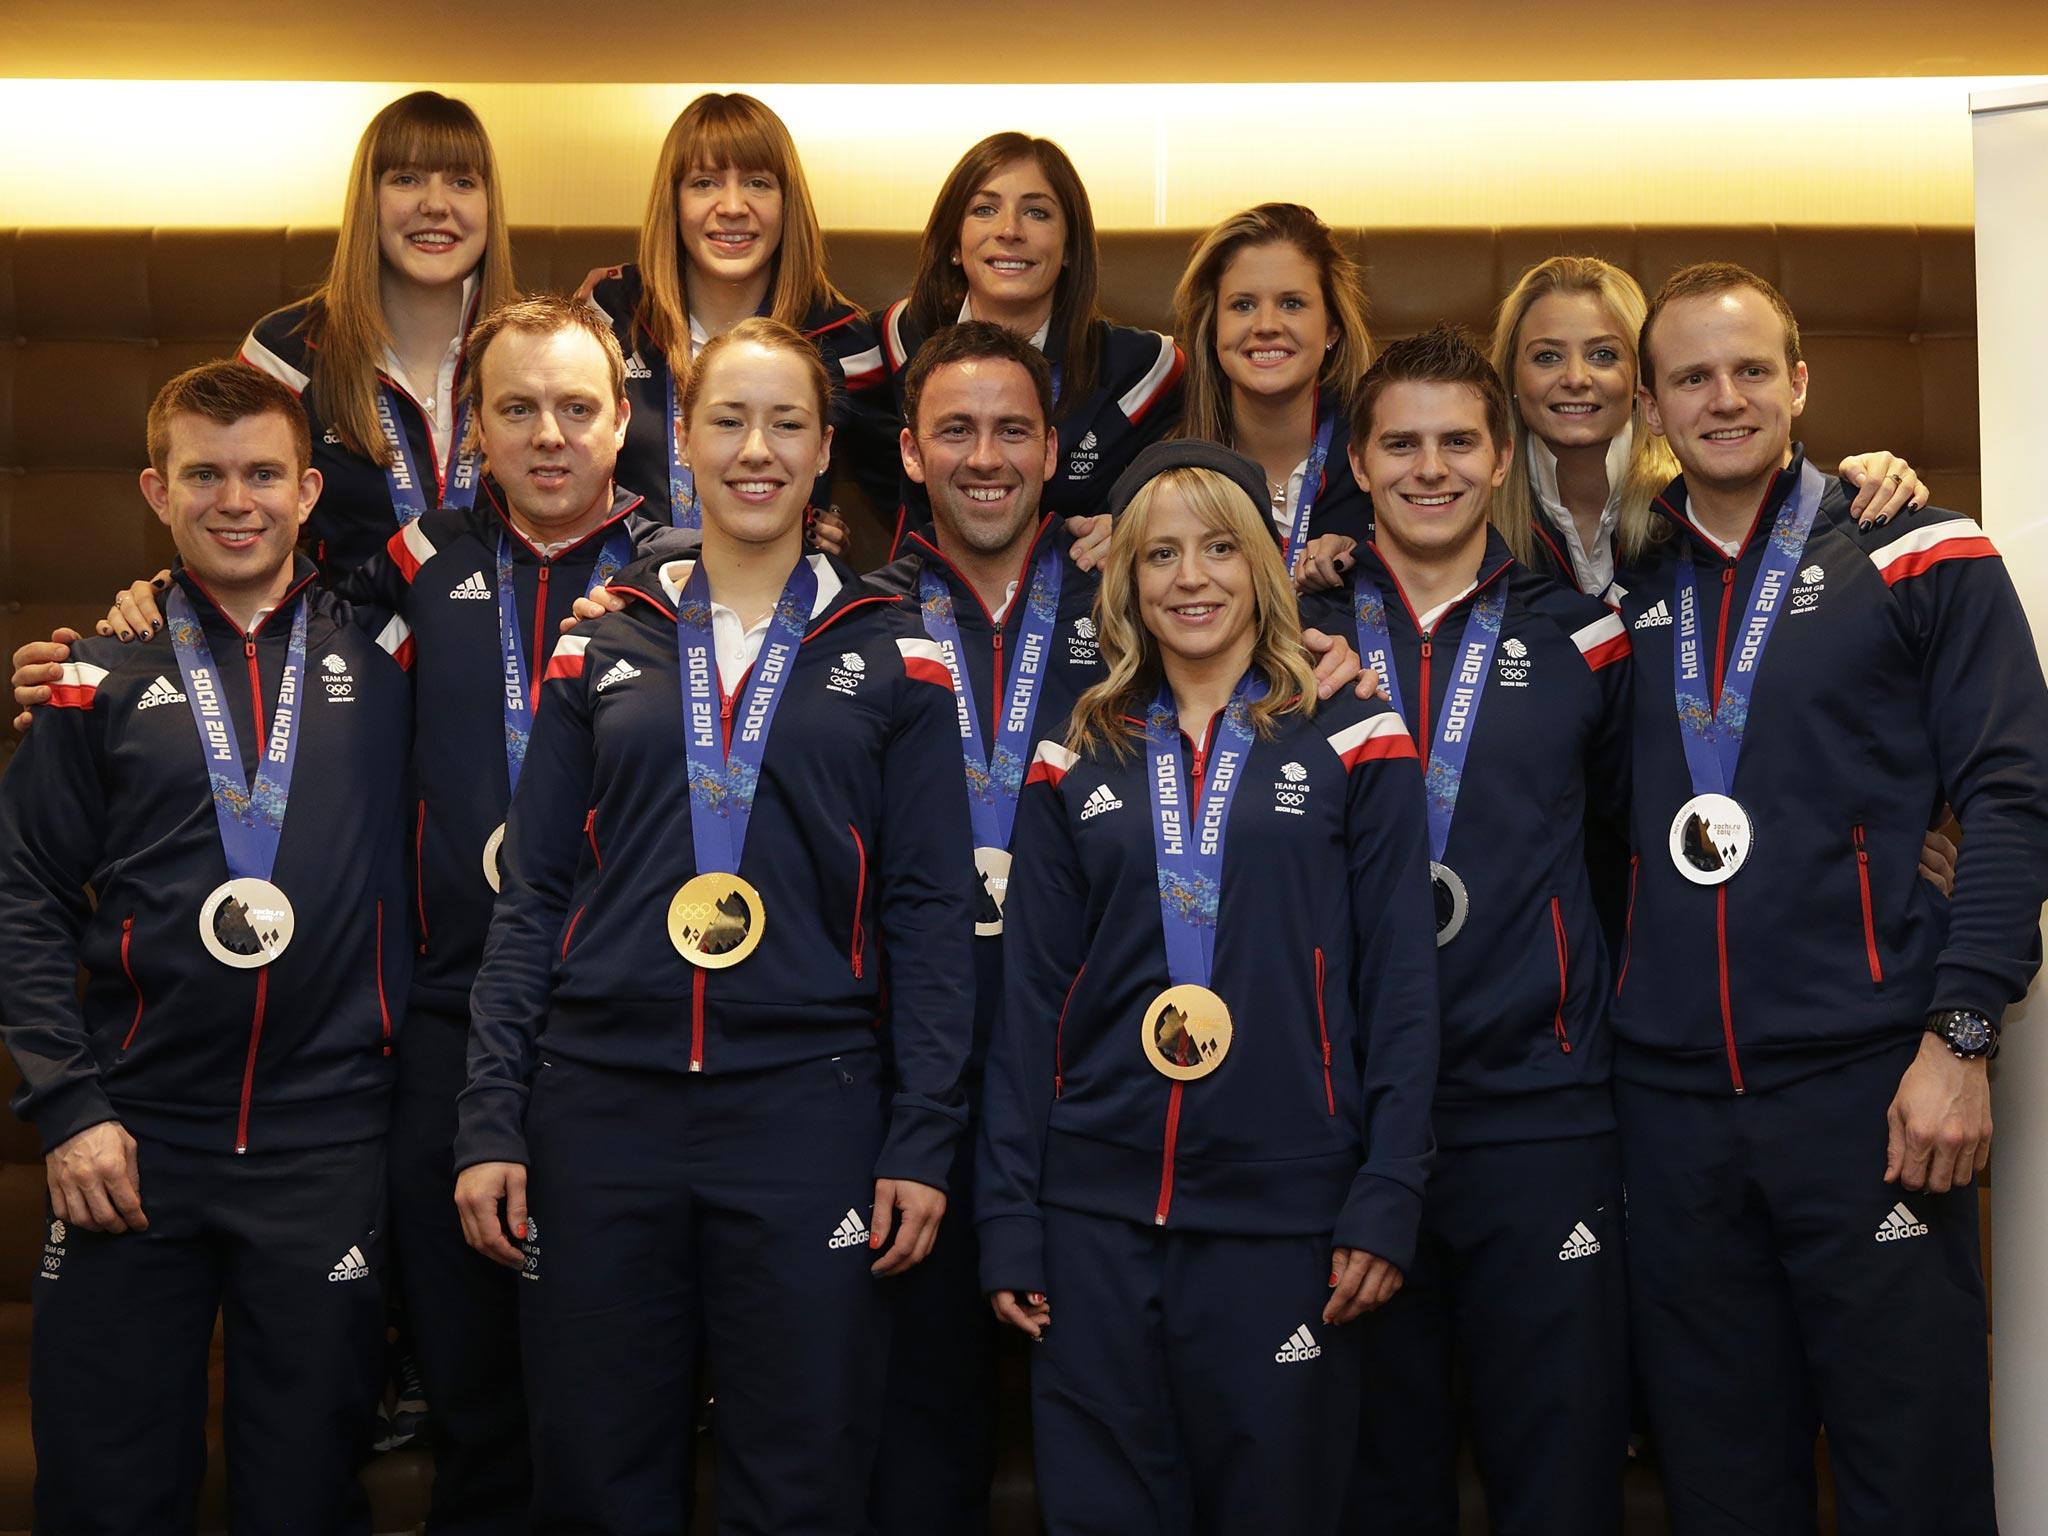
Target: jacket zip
pixel 860 885
pixel 1628 923
pixel 249 1066
pixel 1060 1032
pixel 1721 891
pixel 540 638
pixel 262 975
pixel 696 1018
pixel 127 932
pixel 1323 1032
pixel 383 1009
pixel 1564 1040
pixel 590 832
pixel 1869 923
pixel 419 871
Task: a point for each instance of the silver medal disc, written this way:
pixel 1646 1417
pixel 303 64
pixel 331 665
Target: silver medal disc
pixel 492 844
pixel 992 888
pixel 246 923
pixel 1710 839
pixel 1452 903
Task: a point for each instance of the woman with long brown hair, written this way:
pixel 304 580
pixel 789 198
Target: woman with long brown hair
pixel 1271 311
pixel 1206 1121
pixel 730 232
pixel 375 354
pixel 1011 239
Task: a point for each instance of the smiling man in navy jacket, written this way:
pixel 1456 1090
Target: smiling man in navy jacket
pixel 230 793
pixel 1803 1023
pixel 1515 689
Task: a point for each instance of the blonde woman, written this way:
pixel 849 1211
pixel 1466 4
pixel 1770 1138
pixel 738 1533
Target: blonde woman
pixel 730 233
pixel 1272 314
pixel 1205 1124
pixel 1584 470
pixel 375 354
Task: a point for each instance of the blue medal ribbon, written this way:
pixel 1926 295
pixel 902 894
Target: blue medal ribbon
pixel 251 821
pixel 1713 737
pixel 684 510
pixel 521 694
pixel 1190 858
pixel 723 781
pixel 1459 721
pixel 1311 481
pixel 408 489
pixel 993 783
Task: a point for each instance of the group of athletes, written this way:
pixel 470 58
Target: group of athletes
pixel 682 958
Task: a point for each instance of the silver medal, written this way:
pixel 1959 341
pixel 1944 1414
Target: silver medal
pixel 1710 839
pixel 1452 903
pixel 246 923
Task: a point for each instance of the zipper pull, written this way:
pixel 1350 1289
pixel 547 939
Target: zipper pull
pixel 1425 647
pixel 249 646
pixel 1862 854
pixel 1728 574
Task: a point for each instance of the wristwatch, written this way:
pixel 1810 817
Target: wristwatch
pixel 1968 1035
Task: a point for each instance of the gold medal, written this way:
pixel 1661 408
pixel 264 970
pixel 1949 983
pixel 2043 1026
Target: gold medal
pixel 492 845
pixel 992 866
pixel 715 921
pixel 1186 1032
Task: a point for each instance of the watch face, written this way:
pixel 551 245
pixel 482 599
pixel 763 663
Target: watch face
pixel 1969 1034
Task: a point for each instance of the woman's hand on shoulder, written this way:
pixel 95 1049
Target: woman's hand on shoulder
pixel 1886 487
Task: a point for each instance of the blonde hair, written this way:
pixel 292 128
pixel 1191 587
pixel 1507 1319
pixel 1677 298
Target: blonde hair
pixel 1101 717
pixel 727 132
pixel 1207 413
pixel 1650 465
pixel 425 131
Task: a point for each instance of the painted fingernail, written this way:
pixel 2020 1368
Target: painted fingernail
pixel 874 1241
pixel 1036 1299
pixel 1333 1277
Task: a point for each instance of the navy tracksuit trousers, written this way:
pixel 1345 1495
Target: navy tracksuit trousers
pixel 462 1310
pixel 732 1210
pixel 287 1248
pixel 938 1451
pixel 1188 1383
pixel 1516 1312
pixel 1780 1285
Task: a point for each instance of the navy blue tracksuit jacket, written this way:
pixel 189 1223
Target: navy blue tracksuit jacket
pixel 859 830
pixel 1318 1120
pixel 354 516
pixel 110 791
pixel 1900 676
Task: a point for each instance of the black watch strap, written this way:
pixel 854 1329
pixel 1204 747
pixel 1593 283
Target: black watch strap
pixel 1968 1034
